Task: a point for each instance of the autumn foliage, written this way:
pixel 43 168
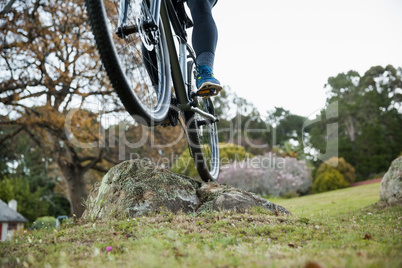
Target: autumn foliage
pixel 49 66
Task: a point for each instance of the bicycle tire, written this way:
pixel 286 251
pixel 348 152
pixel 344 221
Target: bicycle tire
pixel 203 139
pixel 131 67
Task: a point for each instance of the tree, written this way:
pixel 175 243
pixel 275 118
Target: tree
pixel 287 125
pixel 49 65
pixel 288 133
pixel 369 118
pixel 25 160
pixel 30 204
pixel 161 144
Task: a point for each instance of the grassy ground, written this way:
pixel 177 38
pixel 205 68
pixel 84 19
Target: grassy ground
pixel 340 202
pixel 335 229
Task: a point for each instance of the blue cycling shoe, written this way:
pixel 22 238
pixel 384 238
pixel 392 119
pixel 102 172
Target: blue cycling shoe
pixel 206 83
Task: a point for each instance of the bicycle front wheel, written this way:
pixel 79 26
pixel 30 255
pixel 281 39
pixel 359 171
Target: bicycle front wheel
pixel 138 69
pixel 202 134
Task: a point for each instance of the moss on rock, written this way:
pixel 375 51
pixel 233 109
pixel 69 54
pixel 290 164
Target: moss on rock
pixel 138 187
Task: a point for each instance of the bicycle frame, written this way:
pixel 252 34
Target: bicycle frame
pixel 164 9
pixel 178 63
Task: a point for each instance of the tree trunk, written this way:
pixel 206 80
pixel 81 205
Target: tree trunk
pixel 350 126
pixel 76 187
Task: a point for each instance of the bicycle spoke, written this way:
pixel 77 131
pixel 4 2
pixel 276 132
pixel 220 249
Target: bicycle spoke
pixel 133 66
pixel 141 78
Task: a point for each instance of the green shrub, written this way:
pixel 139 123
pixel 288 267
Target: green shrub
pixel 348 172
pixel 229 152
pixel 44 223
pixel 330 179
pixel 185 164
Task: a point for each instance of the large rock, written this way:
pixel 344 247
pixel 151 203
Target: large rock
pixel 222 197
pixel 391 184
pixel 139 187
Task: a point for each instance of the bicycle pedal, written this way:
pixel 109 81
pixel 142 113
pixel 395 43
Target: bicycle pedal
pixel 206 92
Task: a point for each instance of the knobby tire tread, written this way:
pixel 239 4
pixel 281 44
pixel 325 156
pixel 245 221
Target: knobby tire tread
pixel 196 150
pixel 115 73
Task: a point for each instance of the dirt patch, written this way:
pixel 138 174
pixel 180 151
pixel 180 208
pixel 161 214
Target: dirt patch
pixel 359 183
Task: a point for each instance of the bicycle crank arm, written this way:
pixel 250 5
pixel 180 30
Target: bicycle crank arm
pixel 207 115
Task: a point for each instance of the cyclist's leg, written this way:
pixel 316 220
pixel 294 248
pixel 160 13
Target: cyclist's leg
pixel 204 39
pixel 205 32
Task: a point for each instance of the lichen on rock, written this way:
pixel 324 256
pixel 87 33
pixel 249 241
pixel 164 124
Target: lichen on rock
pixel 224 197
pixel 391 184
pixel 139 187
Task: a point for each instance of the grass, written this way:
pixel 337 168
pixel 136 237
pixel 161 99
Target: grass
pixel 336 229
pixel 332 203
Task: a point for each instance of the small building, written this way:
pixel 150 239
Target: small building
pixel 10 219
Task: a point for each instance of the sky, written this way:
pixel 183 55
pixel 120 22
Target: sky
pixel 281 53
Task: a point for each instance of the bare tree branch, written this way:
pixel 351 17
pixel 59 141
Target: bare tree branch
pixel 110 160
pixel 94 161
pixel 7 8
pixel 101 169
pixel 33 137
pixel 11 135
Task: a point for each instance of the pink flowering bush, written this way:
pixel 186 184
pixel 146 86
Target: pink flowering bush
pixel 268 175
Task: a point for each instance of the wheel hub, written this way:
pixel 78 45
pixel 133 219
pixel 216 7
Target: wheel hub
pixel 147 28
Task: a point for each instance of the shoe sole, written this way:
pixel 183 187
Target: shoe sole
pixel 209 89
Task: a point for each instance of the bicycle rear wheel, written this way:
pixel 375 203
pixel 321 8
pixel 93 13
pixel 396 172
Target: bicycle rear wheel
pixel 203 137
pixel 139 71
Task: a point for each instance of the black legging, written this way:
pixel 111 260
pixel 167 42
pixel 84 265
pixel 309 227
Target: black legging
pixel 205 33
pixel 204 39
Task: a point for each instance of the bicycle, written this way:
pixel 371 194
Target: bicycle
pixel 136 42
